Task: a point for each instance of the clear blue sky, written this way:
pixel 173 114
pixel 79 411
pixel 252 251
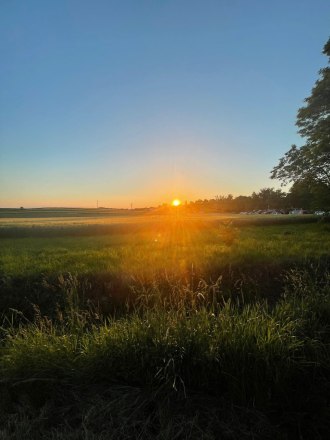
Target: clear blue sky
pixel 142 101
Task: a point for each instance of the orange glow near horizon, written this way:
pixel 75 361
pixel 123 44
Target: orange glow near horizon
pixel 176 202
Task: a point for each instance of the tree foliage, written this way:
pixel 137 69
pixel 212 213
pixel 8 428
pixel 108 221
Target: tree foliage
pixel 309 195
pixel 312 160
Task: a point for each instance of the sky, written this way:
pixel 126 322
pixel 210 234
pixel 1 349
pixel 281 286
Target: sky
pixel 142 101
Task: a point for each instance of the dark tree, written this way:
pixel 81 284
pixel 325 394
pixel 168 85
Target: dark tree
pixel 312 160
pixel 309 195
pixel 268 198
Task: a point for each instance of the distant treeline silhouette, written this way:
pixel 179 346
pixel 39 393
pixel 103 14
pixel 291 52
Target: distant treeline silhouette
pixel 310 196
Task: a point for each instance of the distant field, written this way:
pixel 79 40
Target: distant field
pixel 96 221
pixel 66 216
pixel 121 251
pixel 66 212
pixel 143 242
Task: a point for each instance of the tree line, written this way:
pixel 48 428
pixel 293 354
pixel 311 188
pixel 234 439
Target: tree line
pixel 303 195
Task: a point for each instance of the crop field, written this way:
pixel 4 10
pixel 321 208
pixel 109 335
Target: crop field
pixel 124 325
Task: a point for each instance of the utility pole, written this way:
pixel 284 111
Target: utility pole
pixel 97 204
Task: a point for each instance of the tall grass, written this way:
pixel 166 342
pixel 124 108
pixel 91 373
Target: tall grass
pixel 271 359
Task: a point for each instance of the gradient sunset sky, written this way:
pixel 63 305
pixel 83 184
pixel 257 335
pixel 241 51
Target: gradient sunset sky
pixel 143 101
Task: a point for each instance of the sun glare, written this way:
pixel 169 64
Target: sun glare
pixel 176 202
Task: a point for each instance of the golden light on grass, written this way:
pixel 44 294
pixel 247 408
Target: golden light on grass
pixel 176 202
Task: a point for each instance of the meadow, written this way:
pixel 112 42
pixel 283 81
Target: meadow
pixel 135 325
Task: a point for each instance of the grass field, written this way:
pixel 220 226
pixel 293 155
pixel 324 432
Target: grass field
pixel 164 327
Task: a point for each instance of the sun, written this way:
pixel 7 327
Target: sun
pixel 176 202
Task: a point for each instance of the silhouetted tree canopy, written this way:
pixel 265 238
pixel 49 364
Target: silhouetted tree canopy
pixel 309 194
pixel 312 160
